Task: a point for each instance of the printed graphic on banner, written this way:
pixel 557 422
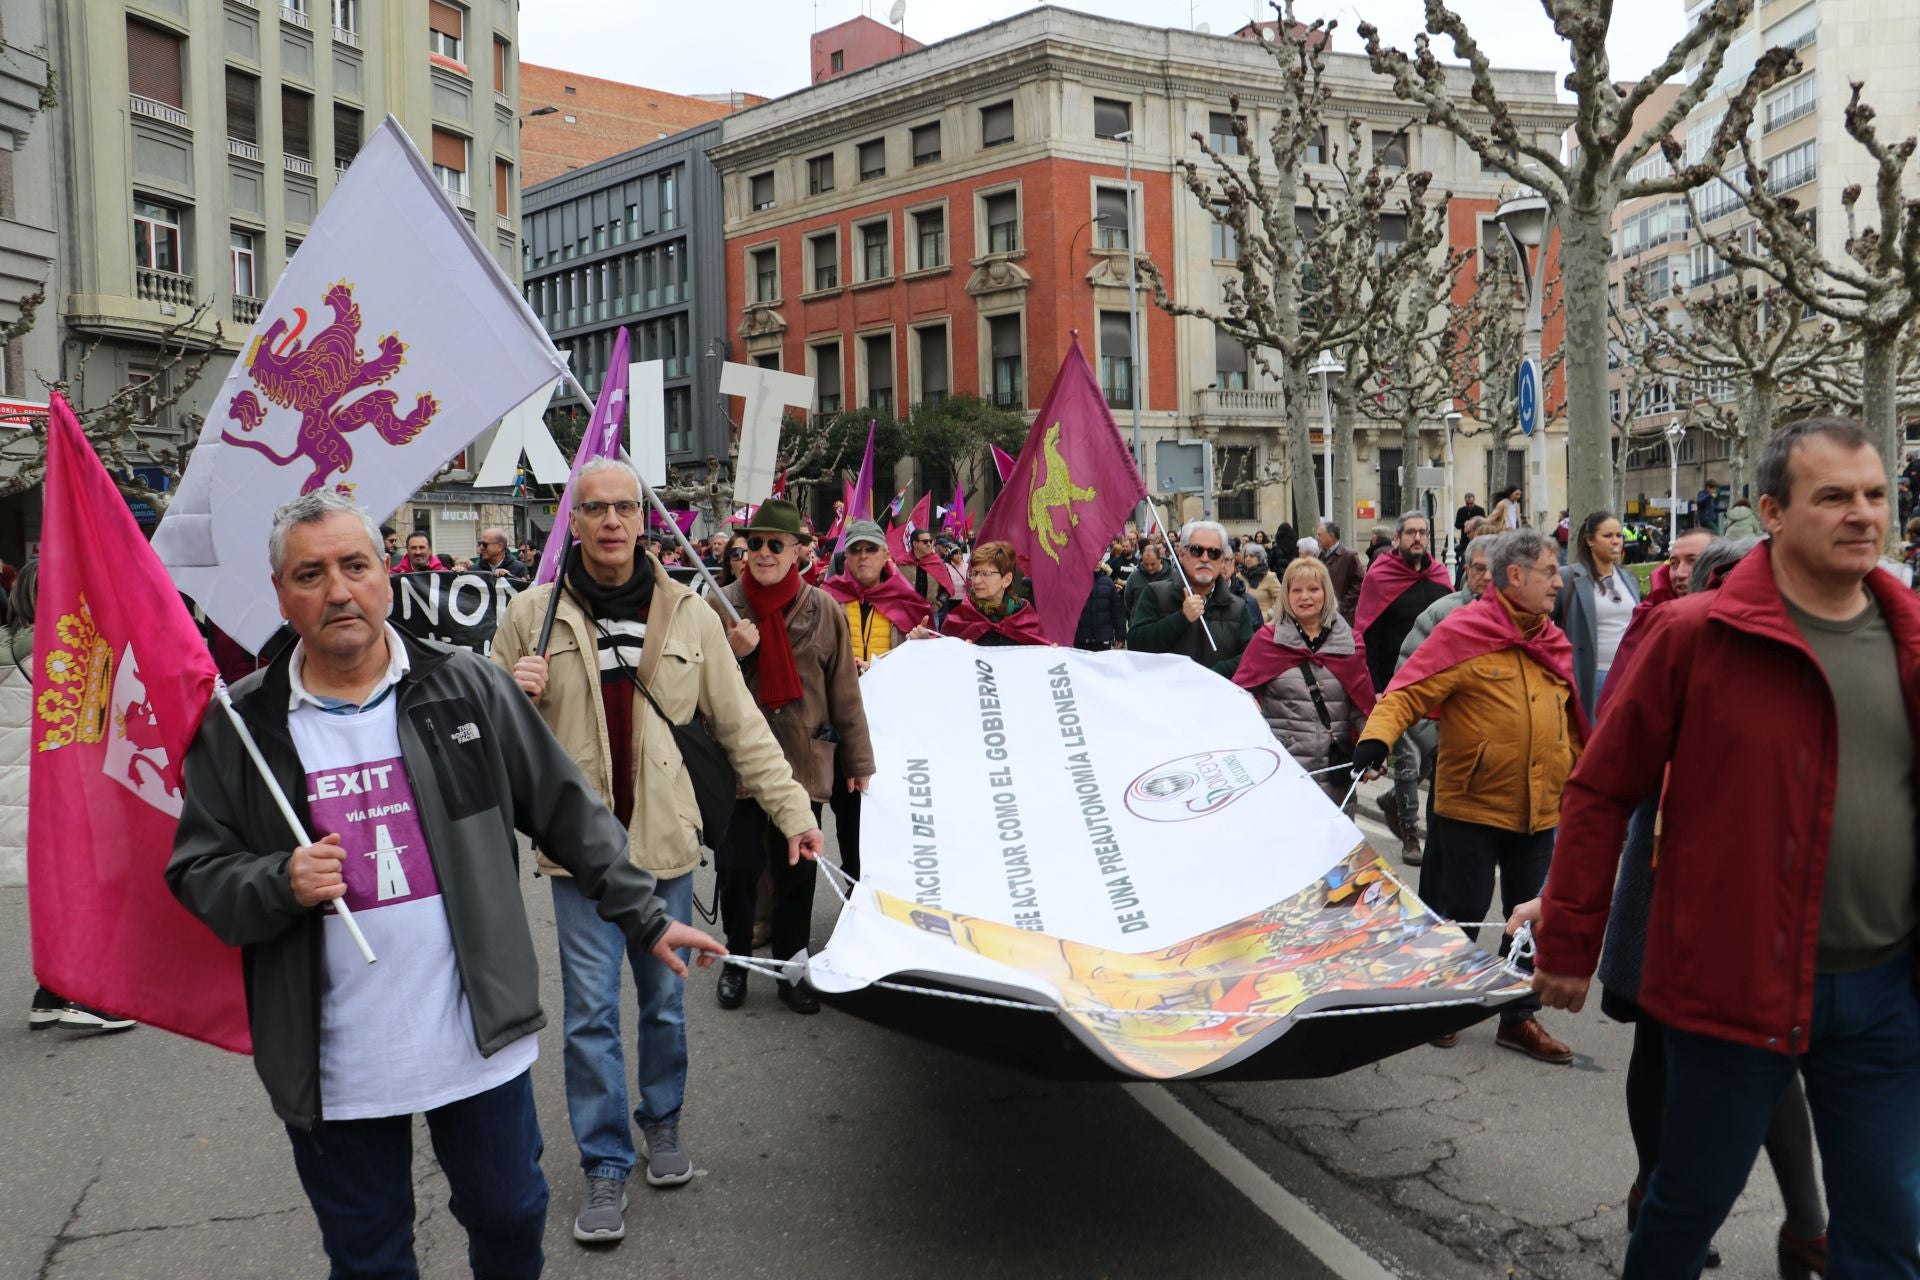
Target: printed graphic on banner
pixel 454 608
pixel 1118 837
pixel 372 808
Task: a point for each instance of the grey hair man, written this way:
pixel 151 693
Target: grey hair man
pixel 415 763
pixel 1199 616
pixel 1344 566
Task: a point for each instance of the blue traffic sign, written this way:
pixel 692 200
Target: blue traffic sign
pixel 1526 396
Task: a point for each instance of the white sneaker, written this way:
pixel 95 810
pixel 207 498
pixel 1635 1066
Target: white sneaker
pixel 80 1018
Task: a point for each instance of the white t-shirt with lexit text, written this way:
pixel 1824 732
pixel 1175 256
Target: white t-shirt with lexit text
pixel 396 1037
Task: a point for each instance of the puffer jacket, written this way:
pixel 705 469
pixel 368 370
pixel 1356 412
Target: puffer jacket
pixel 1289 709
pixel 694 671
pixel 1103 619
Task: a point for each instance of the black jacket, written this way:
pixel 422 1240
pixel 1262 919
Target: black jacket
pixel 1160 626
pixel 1103 619
pixel 230 853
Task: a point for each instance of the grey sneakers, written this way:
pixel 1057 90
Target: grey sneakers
pixel 668 1164
pixel 601 1219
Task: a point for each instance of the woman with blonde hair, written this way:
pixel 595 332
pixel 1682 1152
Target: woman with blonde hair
pixel 1309 676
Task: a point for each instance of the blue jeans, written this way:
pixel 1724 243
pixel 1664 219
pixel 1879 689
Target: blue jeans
pixel 358 1175
pixel 1862 1068
pixel 590 952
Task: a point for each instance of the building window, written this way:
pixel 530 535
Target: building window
pixel 346 16
pixel 241 255
pixel 1390 148
pixel 825 249
pixel 346 135
pixel 760 190
pixel 243 107
pixel 450 161
pixel 500 66
pixel 1111 117
pixel 1003 222
pixel 1393 234
pixel 926 143
pixel 153 64
pixel 1220 134
pixel 932 345
pixel 876 356
pixel 876 254
pixel 1793 167
pixel 765 270
pixel 679 419
pixel 873 159
pixel 930 239
pixel 837 61
pixel 1795 31
pixel 1229 362
pixel 820 175
pixel 296 123
pixel 156 236
pixel 670 198
pixel 1226 241
pixel 1116 358
pixel 446 24
pixel 996 124
pixel 502 185
pixel 1234 466
pixel 1110 209
pixel 771 360
pixel 1316 152
pixel 1792 102
pixel 826 378
pixel 1003 346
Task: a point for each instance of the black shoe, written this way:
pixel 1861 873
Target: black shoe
pixel 733 986
pixel 45 1011
pixel 799 997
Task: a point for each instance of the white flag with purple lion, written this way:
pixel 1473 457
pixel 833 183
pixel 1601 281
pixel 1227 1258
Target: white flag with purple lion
pixel 389 343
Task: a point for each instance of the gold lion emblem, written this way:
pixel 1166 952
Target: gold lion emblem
pixel 1059 490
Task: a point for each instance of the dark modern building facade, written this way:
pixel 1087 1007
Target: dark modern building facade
pixel 635 241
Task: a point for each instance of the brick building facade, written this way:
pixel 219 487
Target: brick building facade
pixel 593 119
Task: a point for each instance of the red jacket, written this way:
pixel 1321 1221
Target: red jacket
pixel 1725 692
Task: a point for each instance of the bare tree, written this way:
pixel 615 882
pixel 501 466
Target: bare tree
pixel 1584 188
pixel 1872 289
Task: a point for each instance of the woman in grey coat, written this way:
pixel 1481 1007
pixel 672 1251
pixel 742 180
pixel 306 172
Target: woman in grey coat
pixel 1308 676
pixel 1597 598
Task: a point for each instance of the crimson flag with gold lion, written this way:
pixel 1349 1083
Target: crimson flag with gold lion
pixel 1069 493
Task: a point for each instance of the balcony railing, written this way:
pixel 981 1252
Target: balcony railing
pixel 340 169
pixel 152 285
pixel 156 110
pixel 295 18
pixel 245 310
pixel 245 150
pixel 1221 402
pixel 297 164
pixel 351 39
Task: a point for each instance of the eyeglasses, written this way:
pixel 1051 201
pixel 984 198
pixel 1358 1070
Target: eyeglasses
pixel 1206 553
pixel 625 508
pixel 864 549
pixel 923 542
pixel 775 545
pixel 736 553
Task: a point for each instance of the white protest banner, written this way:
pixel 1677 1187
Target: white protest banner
pixel 647 432
pixel 1119 838
pixel 524 431
pixel 767 393
pixel 392 316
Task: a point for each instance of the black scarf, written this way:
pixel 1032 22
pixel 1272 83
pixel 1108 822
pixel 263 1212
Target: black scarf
pixel 627 602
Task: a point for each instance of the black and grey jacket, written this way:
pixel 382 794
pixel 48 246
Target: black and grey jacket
pixel 230 855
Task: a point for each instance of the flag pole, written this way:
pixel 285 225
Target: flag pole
pixel 1173 554
pixel 646 491
pixel 286 810
pixel 553 601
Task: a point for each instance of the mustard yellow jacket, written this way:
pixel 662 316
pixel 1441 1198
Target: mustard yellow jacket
pixel 1507 737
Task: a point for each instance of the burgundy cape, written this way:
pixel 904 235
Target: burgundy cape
pixel 1265 658
pixel 1483 627
pixel 1386 578
pixel 966 622
pixel 893 596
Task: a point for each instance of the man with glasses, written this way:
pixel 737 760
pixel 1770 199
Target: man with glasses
pixel 796 651
pixel 882 610
pixel 1200 617
pixel 1503 675
pixel 495 560
pixel 622 624
pixel 931 577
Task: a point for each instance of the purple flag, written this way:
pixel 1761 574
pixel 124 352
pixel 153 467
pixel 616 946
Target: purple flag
pixel 1002 462
pixel 601 441
pixel 860 497
pixel 684 519
pixel 1069 493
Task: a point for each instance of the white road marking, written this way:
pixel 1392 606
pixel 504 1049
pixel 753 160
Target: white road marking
pixel 1288 1212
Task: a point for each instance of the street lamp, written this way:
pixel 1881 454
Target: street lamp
pixel 1328 368
pixel 1133 312
pixel 1525 218
pixel 1450 424
pixel 1676 432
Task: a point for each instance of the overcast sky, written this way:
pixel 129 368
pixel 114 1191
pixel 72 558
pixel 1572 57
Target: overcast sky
pixel 760 46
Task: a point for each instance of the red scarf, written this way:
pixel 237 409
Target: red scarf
pixel 1387 577
pixel 965 621
pixel 1487 626
pixel 1266 658
pixel 893 596
pixel 779 677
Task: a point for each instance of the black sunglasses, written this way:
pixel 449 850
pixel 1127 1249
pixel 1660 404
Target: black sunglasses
pixel 775 545
pixel 1206 553
pixel 736 553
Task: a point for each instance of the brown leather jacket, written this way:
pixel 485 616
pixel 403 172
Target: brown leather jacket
pixel 826 731
pixel 1343 565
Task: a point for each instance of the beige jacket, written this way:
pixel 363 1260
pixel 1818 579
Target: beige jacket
pixel 692 670
pixel 823 653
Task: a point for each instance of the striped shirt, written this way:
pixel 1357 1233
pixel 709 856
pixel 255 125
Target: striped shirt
pixel 619 646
